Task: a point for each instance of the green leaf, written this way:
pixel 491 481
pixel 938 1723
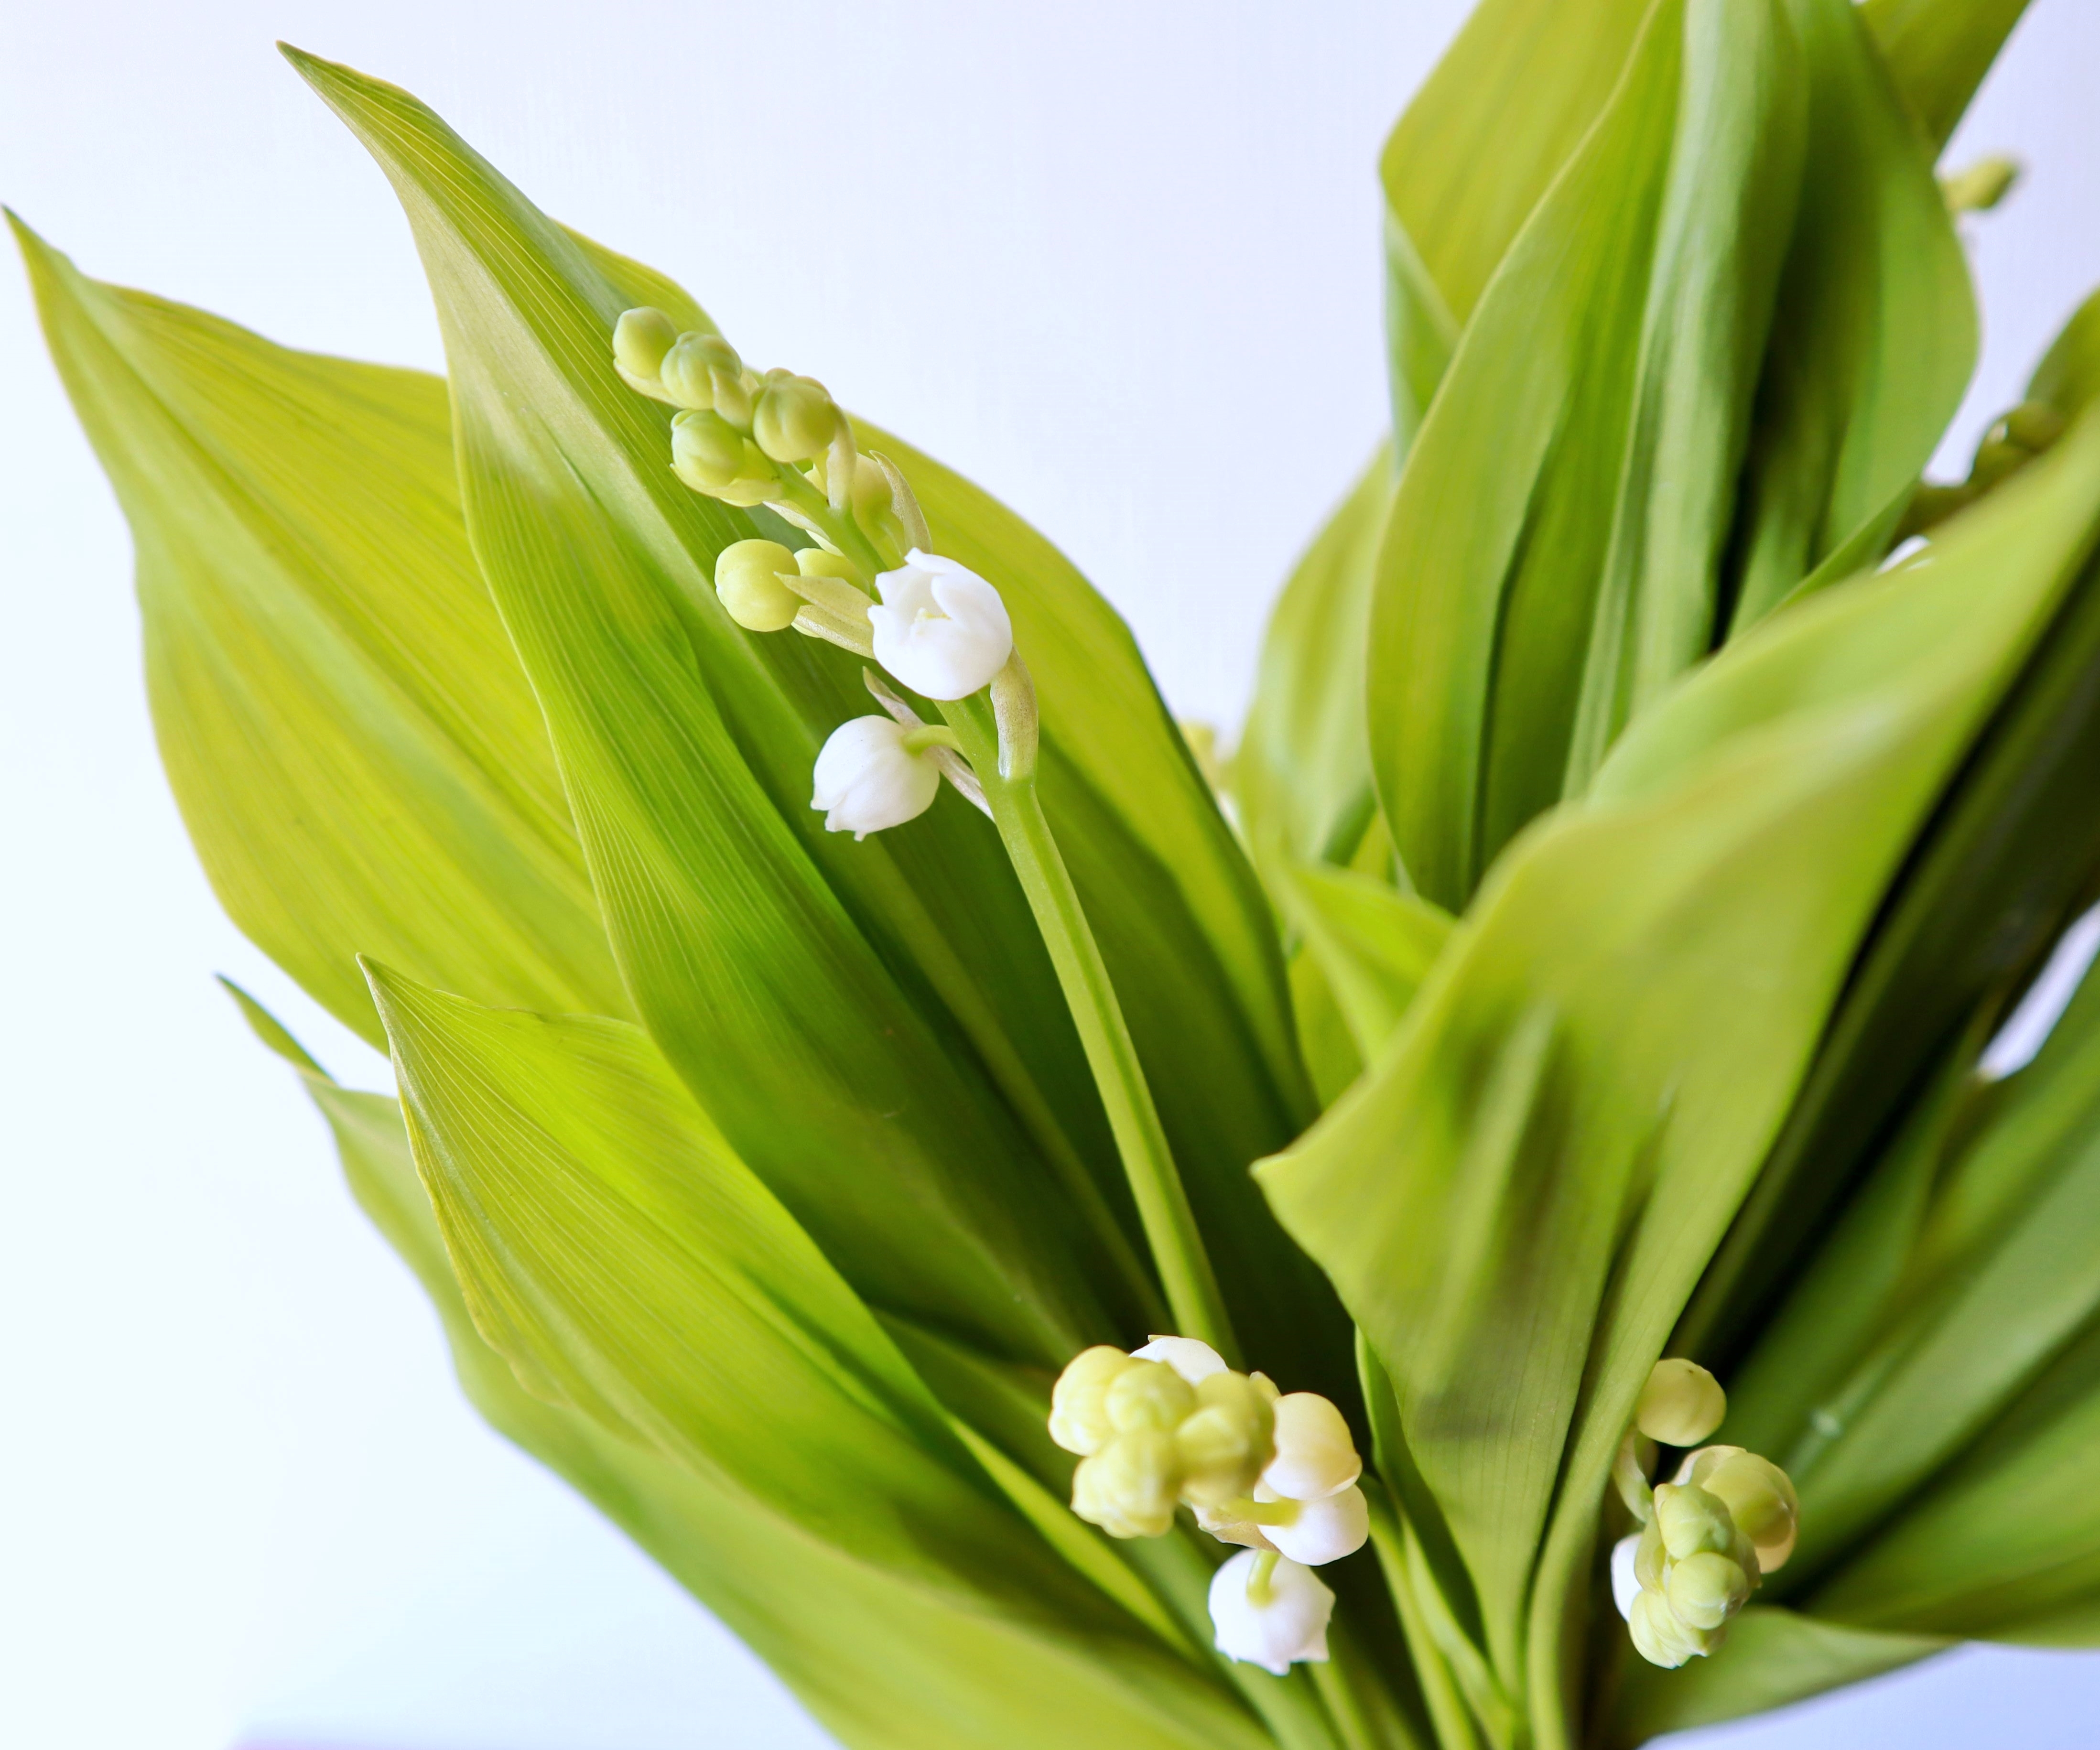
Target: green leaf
pixel 1997 1272
pixel 1488 132
pixel 833 1006
pixel 1302 777
pixel 1595 1068
pixel 1875 334
pixel 2005 1545
pixel 1774 1657
pixel 2068 377
pixel 1535 521
pixel 1938 52
pixel 1375 946
pixel 358 757
pixel 1183 924
pixel 883 1663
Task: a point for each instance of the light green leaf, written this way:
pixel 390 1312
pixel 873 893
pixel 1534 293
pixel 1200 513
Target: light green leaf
pixel 2005 1544
pixel 1938 52
pixel 1302 776
pixel 1182 922
pixel 1479 145
pixel 357 755
pixel 834 1006
pixel 1875 334
pixel 1598 1064
pixel 1375 945
pixel 1773 1657
pixel 883 1663
pixel 2068 377
pixel 1534 522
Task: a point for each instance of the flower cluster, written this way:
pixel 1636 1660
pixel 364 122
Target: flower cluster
pixel 1709 1537
pixel 1171 1425
pixel 778 439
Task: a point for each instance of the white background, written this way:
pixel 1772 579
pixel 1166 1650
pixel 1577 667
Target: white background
pixel 1117 260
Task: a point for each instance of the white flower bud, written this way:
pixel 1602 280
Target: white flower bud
pixel 1288 1623
pixel 1194 1361
pixel 940 629
pixel 1626 1582
pixel 1326 1530
pixel 868 779
pixel 1315 1454
pixel 1225 1443
pixel 1681 1403
pixel 1758 1495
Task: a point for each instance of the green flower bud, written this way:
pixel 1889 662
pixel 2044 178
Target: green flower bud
pixel 1981 186
pixel 707 452
pixel 1226 1442
pixel 747 579
pixel 1149 1395
pixel 814 562
pixel 640 339
pixel 1692 1521
pixel 794 417
pixel 1650 1558
pixel 692 369
pixel 1664 1638
pixel 1681 1403
pixel 1128 1487
pixel 2033 426
pixel 1758 1495
pixel 1078 1415
pixel 1705 1591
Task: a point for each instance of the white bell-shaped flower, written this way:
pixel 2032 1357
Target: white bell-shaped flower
pixel 1626 1582
pixel 1316 1456
pixel 1194 1361
pixel 940 629
pixel 868 778
pixel 1286 1624
pixel 1322 1531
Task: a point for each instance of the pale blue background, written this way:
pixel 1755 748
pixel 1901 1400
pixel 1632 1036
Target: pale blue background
pixel 1116 259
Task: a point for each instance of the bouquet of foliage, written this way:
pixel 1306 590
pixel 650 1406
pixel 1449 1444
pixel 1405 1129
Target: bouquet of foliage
pixel 1494 1220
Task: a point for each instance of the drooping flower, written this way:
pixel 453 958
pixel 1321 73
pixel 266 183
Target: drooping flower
pixel 940 629
pixel 1270 1611
pixel 868 778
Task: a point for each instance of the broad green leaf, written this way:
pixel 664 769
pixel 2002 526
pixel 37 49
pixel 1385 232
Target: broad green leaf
pixel 2005 1545
pixel 2013 857
pixel 883 1663
pixel 1302 777
pixel 2068 377
pixel 1375 945
pixel 1874 337
pixel 1535 520
pixel 1185 927
pixel 1938 52
pixel 1483 138
pixel 1773 1657
pixel 1997 1271
pixel 835 1007
pixel 358 757
pixel 1595 1069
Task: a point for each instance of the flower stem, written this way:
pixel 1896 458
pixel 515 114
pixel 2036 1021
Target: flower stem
pixel 1192 1298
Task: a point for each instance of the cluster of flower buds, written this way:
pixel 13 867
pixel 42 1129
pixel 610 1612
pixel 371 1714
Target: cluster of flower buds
pixel 778 439
pixel 733 424
pixel 1170 1426
pixel 1709 1535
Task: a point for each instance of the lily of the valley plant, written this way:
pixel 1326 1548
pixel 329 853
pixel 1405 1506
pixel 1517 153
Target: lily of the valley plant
pixel 1508 1228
